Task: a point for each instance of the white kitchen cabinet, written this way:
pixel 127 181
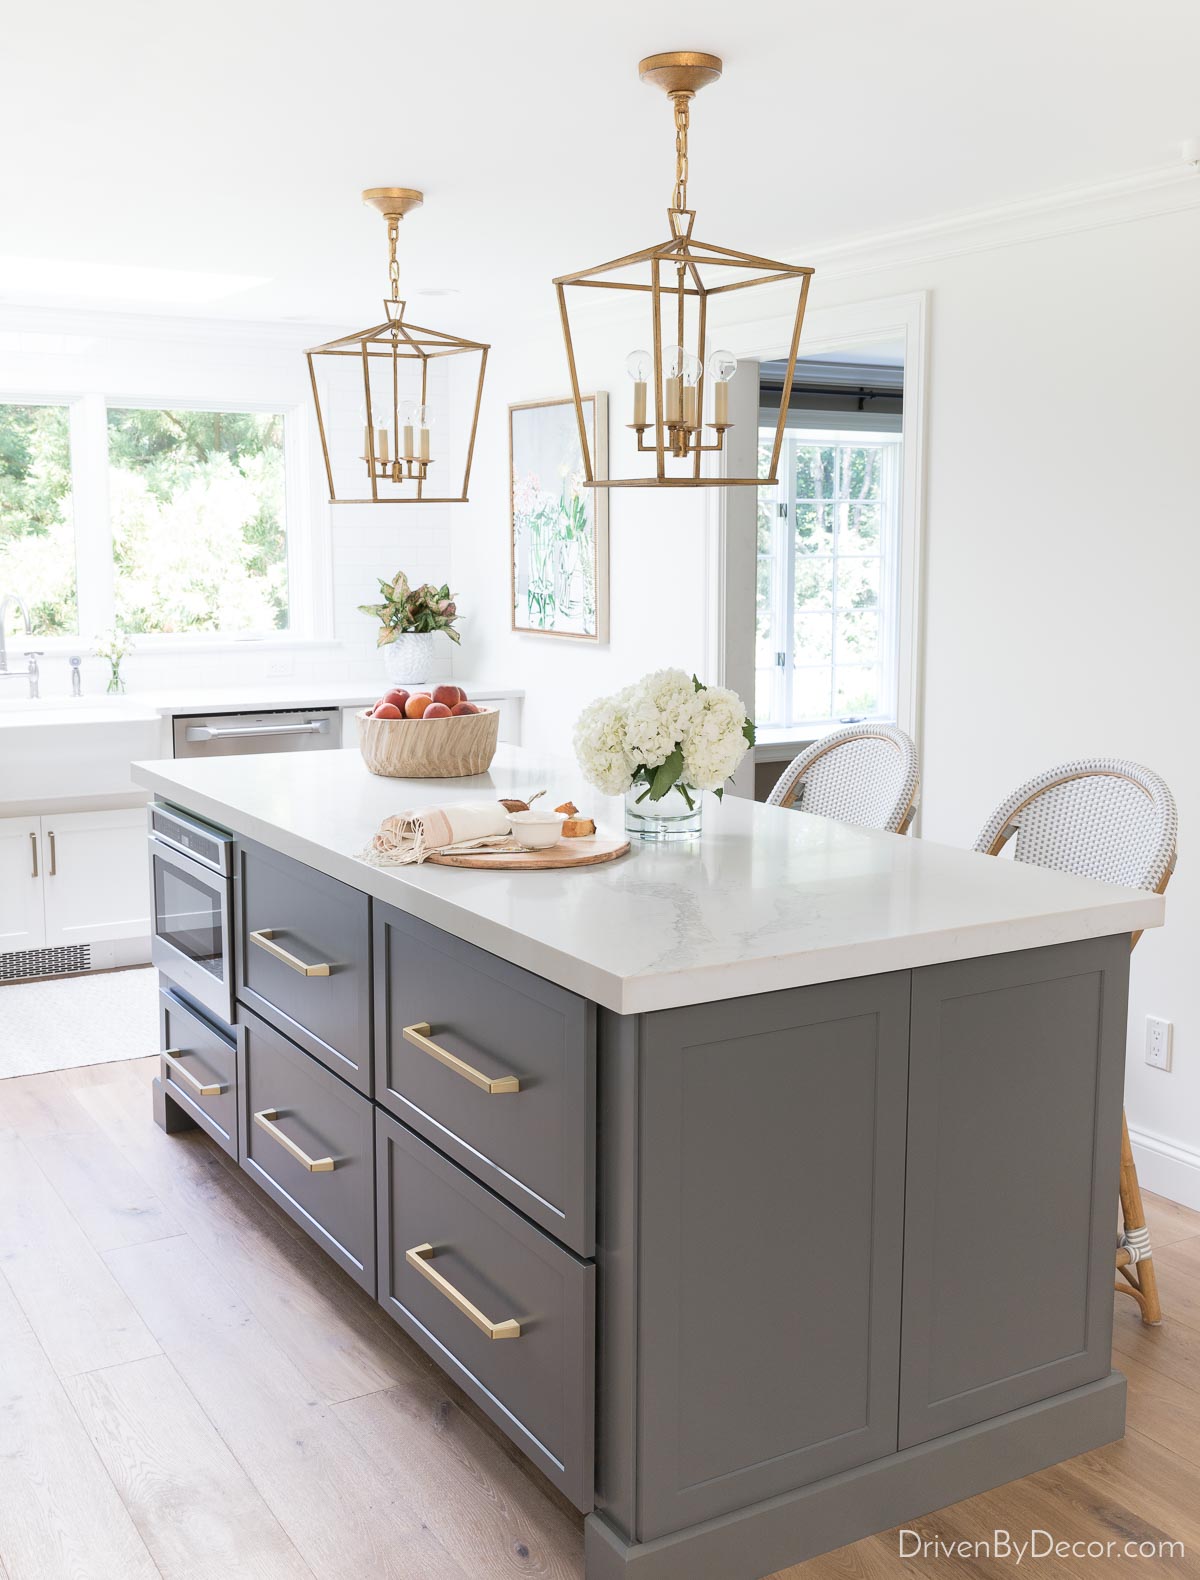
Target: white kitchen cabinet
pixel 22 918
pixel 95 876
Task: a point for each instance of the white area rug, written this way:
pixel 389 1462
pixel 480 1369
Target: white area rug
pixel 88 1019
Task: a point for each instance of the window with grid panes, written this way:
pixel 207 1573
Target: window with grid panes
pixel 826 580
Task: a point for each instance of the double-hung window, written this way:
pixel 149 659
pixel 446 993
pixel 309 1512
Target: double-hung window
pixel 828 561
pixel 153 520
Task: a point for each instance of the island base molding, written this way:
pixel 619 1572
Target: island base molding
pixel 790 1529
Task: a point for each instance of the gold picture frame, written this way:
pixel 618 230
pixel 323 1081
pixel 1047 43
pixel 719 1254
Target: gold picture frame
pixel 558 526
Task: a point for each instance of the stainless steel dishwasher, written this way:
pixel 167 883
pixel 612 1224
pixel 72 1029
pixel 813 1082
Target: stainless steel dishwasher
pixel 241 734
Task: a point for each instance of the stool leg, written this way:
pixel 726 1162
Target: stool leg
pixel 1141 1281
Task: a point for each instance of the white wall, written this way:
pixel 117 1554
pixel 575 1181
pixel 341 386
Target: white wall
pixel 1062 553
pixel 344 547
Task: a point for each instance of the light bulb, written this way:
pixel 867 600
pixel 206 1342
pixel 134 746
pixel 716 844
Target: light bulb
pixel 639 365
pixel 673 361
pixel 722 365
pixel 692 368
pixel 424 416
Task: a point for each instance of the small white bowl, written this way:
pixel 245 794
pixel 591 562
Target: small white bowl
pixel 536 830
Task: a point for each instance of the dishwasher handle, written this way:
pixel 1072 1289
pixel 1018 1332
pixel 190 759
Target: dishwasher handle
pixel 205 732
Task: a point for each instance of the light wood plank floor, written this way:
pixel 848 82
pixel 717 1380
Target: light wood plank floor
pixel 189 1389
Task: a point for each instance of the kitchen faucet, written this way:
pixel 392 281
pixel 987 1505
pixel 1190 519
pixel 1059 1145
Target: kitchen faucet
pixel 32 670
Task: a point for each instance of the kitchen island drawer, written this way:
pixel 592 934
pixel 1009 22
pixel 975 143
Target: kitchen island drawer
pixel 494 1065
pixel 308 1140
pixel 507 1312
pixel 303 957
pixel 199 1069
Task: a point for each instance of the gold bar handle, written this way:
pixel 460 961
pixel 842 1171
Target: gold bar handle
pixel 314 1165
pixel 33 853
pixel 173 1056
pixel 418 1035
pixel 53 854
pixel 418 1257
pixel 264 939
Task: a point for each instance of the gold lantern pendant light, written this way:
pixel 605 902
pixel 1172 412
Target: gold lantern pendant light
pixel 392 432
pixel 684 275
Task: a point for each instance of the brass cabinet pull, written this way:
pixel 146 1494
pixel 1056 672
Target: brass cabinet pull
pixel 33 852
pixel 263 938
pixel 418 1257
pixel 313 1165
pixel 53 854
pixel 173 1056
pixel 418 1035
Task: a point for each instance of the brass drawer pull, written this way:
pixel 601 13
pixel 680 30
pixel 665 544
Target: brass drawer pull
pixel 418 1257
pixel 263 938
pixel 33 852
pixel 313 1165
pixel 418 1035
pixel 173 1056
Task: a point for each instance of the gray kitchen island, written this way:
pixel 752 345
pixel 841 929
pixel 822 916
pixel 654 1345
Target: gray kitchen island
pixel 762 1189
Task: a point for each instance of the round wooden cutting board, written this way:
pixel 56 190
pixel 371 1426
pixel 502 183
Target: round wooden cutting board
pixel 567 853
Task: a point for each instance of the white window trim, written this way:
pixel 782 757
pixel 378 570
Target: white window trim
pixel 730 535
pixel 309 597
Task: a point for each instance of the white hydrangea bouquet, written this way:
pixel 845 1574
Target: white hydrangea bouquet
pixel 660 742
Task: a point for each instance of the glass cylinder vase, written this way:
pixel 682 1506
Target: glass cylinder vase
pixel 669 818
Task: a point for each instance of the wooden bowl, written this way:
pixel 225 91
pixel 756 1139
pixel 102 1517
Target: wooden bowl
pixel 429 748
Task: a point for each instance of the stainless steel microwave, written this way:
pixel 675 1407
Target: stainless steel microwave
pixel 191 865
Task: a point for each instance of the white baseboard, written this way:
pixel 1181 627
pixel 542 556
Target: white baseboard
pixel 1166 1168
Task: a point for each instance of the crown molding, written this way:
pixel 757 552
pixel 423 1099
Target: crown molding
pixel 1167 189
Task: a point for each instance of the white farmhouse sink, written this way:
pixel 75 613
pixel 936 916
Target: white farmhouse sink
pixel 53 747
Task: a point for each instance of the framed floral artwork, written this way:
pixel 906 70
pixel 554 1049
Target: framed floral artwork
pixel 558 528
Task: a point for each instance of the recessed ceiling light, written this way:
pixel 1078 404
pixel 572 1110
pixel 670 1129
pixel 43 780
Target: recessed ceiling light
pixel 28 278
pixel 436 290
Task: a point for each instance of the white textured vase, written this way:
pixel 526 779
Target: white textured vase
pixel 408 661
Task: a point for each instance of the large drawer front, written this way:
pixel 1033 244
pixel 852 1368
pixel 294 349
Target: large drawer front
pixel 308 1140
pixel 538 1384
pixel 199 1069
pixel 500 1027
pixel 306 923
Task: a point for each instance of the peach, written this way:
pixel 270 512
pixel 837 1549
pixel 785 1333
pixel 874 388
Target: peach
pixel 448 695
pixel 387 710
pixel 436 710
pixel 397 698
pixel 415 707
pixel 461 709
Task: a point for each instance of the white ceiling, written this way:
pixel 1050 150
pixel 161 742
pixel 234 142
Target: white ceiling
pixel 233 138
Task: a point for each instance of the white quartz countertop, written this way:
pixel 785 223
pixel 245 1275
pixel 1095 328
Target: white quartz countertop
pixel 765 899
pixel 294 694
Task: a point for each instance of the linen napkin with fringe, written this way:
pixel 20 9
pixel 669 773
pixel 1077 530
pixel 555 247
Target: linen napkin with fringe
pixel 410 837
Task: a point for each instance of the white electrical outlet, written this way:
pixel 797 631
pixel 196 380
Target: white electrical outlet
pixel 281 665
pixel 1158 1042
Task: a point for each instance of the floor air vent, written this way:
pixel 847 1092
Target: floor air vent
pixel 22 963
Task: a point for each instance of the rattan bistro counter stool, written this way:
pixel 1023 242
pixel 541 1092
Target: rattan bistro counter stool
pixel 1116 821
pixel 865 774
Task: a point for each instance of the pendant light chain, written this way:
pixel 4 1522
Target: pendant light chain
pixel 393 232
pixel 682 102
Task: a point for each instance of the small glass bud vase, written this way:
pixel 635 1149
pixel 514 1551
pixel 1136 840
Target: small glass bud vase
pixel 115 681
pixel 670 818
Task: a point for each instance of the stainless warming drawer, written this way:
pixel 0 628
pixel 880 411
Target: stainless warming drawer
pixel 240 734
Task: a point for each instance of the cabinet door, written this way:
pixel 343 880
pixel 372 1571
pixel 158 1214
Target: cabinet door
pixel 22 925
pixel 96 870
pixel 1014 1134
pixel 771 1181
